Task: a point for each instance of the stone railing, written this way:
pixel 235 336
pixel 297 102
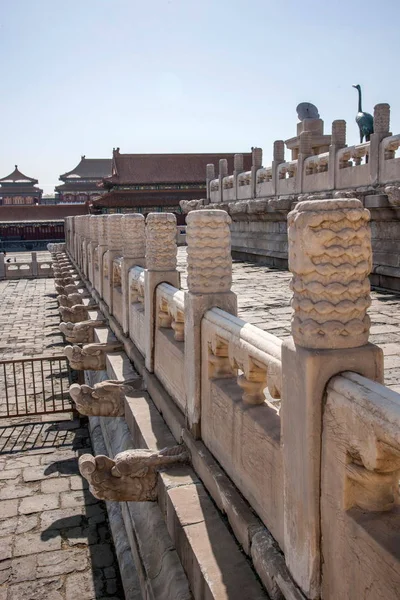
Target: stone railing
pixel 25 269
pixel 302 432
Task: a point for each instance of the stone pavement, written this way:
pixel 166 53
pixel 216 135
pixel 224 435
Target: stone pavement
pixel 55 542
pixel 264 300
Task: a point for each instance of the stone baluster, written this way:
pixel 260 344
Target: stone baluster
pixel 161 252
pixel 92 245
pixel 256 163
pixel 210 175
pixel 114 250
pixel 330 258
pixel 381 130
pixel 279 158
pixel 85 242
pixel 237 169
pixel 100 253
pixel 223 172
pixel 338 141
pixel 134 252
pixel 305 150
pixel 209 265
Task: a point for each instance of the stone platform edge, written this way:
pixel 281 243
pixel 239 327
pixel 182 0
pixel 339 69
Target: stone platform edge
pixel 247 529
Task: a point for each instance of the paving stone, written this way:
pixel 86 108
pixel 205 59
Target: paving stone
pixel 61 518
pixel 80 585
pixel 27 523
pixel 10 474
pixel 5 571
pixel 6 548
pixel 23 569
pixel 102 555
pixel 39 503
pixel 75 498
pixel 62 562
pixel 78 483
pixel 37 474
pixel 40 589
pixel 15 491
pixel 32 543
pixel 55 485
pixel 8 508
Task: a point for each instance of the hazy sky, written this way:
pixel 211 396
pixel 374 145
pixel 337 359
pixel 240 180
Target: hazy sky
pixel 82 76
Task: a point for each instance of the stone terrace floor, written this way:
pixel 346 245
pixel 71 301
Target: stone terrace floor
pixel 264 300
pixel 55 542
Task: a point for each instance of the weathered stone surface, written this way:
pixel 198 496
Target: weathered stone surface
pixel 330 257
pixel 131 476
pixel 91 357
pixel 105 399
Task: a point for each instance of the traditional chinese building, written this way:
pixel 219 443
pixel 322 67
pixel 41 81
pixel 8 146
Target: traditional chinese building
pixel 17 188
pixel 82 183
pixel 157 182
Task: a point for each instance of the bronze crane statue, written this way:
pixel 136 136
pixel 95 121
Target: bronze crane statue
pixel 364 120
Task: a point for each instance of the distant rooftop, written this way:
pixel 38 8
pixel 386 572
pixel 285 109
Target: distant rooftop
pixel 166 168
pixel 89 168
pixel 17 177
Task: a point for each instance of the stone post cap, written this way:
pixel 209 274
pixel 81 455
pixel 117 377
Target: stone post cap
pixel 238 162
pixel 279 151
pixel 209 260
pixel 223 167
pixel 256 157
pixel 155 218
pixel 161 245
pixel 382 118
pixel 210 171
pixel 114 237
pixel 330 258
pixel 133 232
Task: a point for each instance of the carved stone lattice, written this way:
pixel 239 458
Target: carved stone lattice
pixel 80 333
pixel 105 399
pixel 209 259
pixel 133 232
pixel 330 258
pixel 114 237
pixel 76 313
pixel 131 476
pixel 91 357
pixel 161 242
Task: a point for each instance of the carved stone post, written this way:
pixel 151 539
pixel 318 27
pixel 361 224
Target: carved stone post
pixel 114 244
pixel 305 150
pixel 34 264
pixel 2 266
pixel 338 141
pixel 279 158
pixel 161 251
pixel 134 251
pixel 92 246
pixel 85 242
pixel 210 175
pixel 99 253
pixel 209 265
pixel 223 172
pixel 237 169
pixel 381 130
pixel 330 258
pixel 255 165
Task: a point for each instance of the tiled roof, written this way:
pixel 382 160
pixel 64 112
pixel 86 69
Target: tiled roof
pixel 17 176
pixel 167 168
pixel 90 168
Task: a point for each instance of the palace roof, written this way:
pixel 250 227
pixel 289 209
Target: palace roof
pixel 17 177
pixel 165 168
pixel 89 168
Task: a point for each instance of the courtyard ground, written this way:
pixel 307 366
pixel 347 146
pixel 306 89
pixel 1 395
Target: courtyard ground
pixel 55 542
pixel 264 300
